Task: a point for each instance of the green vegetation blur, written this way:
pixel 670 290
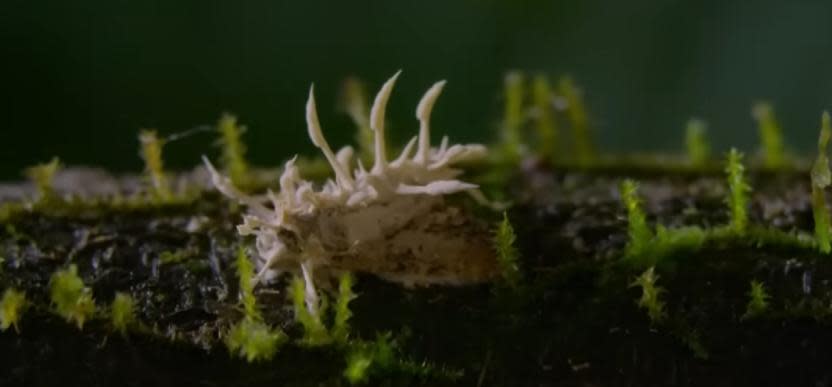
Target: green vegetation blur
pixel 80 79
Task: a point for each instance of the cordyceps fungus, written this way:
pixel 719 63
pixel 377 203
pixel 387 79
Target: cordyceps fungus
pixel 391 220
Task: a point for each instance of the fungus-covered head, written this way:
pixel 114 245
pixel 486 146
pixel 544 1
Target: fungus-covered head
pixel 390 220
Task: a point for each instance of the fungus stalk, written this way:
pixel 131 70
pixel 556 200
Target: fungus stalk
pixel 738 192
pixel 821 178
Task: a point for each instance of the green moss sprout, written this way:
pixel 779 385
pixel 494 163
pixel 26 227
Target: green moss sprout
pixel 72 300
pixel 151 152
pixel 578 119
pixel 738 192
pixel 353 102
pixel 637 229
pixel 515 90
pixel 233 150
pixel 122 312
pixel 771 136
pixel 366 357
pixel 698 148
pixel 314 330
pixel 507 255
pixel 545 123
pixel 251 338
pixel 757 300
pixel 650 295
pixel 821 178
pixel 340 325
pixel 43 175
pixel 12 307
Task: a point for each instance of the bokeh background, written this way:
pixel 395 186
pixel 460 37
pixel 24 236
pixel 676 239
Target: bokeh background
pixel 81 78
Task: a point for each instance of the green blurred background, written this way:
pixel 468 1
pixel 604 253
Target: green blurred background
pixel 81 78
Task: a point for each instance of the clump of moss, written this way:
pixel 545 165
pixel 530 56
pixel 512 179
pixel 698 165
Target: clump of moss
pixel 122 312
pixel 579 120
pixel 43 175
pixel 12 307
pixel 233 150
pixel 698 149
pixel 507 254
pixel 72 300
pixel 545 124
pixel 251 337
pixel 739 189
pixel 173 257
pixel 637 228
pixel 363 358
pixel 821 178
pixel 771 135
pixel 151 152
pixel 757 300
pixel 650 295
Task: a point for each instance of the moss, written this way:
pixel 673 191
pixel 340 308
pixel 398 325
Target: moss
pixel 579 121
pixel 638 231
pixel 545 124
pixel 12 307
pixel 738 192
pixel 363 359
pixel 72 300
pixel 650 295
pixel 314 330
pixel 173 257
pixel 151 152
pixel 233 150
pixel 771 136
pixel 340 325
pixel 42 176
pixel 757 300
pixel 821 178
pixel 245 273
pixel 122 312
pixel 254 340
pixel 353 101
pixel 512 144
pixel 507 254
pixel 698 148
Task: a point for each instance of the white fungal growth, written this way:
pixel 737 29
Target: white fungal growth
pixel 391 221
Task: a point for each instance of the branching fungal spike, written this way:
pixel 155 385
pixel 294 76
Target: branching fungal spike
pixel 392 221
pixel 423 112
pixel 377 123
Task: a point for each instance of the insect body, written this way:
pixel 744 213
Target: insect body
pixel 391 220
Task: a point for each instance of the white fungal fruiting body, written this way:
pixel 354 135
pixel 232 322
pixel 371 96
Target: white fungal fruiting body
pixel 391 221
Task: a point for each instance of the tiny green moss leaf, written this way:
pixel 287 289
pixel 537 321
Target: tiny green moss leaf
pixel 245 271
pixel 579 120
pixel 73 301
pixel 42 175
pixel 650 296
pixel 507 255
pixel 353 101
pixel 757 300
pixel 738 192
pixel 122 312
pixel 545 123
pixel 514 85
pixel 151 152
pixel 12 307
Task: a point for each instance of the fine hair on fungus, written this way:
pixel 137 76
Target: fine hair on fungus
pixel 390 220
